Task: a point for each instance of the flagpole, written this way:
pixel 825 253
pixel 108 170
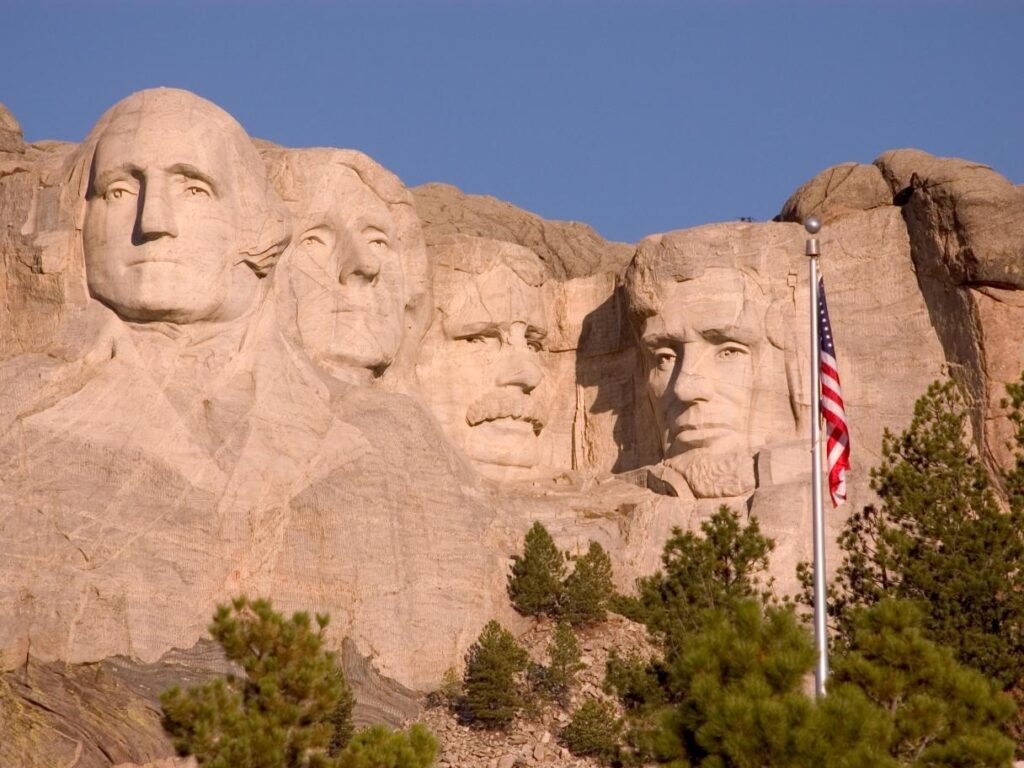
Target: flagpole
pixel 813 225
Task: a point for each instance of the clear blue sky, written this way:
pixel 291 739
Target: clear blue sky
pixel 634 116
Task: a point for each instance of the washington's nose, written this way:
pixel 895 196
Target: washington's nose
pixel 363 262
pixel 520 369
pixel 156 217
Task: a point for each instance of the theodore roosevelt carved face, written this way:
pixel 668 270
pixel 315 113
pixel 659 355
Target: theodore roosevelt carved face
pixel 172 185
pixel 481 368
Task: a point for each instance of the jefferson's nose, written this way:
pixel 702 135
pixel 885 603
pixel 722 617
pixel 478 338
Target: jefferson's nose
pixel 362 262
pixel 156 217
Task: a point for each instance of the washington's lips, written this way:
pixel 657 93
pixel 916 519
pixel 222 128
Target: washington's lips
pixel 506 405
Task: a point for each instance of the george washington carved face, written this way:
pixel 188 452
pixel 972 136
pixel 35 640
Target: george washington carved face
pixel 164 210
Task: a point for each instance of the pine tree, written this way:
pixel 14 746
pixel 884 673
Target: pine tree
pixel 563 662
pixel 940 538
pixel 494 665
pixel 378 747
pixel 940 712
pixel 588 590
pixel 282 713
pixel 594 731
pixel 725 564
pixel 535 584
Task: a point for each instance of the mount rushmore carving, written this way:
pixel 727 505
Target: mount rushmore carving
pixel 232 367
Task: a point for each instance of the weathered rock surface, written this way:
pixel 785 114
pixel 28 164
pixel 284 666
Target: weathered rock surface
pixel 569 248
pixel 215 379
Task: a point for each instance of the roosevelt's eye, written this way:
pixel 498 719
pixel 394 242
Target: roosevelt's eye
pixel 535 344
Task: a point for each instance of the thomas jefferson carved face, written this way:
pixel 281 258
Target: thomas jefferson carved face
pixel 161 228
pixel 481 369
pixel 346 274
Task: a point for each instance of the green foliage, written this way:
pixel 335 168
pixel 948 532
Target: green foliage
pixel 563 662
pixel 594 731
pixel 940 538
pixel 700 572
pixel 588 589
pixel 495 664
pixel 638 683
pixel 286 711
pixel 535 584
pixel 940 713
pixel 379 747
pixel 738 686
pixel 1013 480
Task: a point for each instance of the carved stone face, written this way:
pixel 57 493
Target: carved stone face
pixel 702 355
pixel 161 224
pixel 481 368
pixel 346 274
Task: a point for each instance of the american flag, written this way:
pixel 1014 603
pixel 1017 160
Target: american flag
pixel 837 434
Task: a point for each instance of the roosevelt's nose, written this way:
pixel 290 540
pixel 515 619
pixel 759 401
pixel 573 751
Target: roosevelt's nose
pixel 519 369
pixel 519 365
pixel 362 261
pixel 156 216
pixel 691 384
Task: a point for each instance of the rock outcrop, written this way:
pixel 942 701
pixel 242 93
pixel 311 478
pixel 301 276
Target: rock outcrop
pixel 232 367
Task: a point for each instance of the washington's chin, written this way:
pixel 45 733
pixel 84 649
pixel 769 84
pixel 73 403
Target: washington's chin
pixel 502 444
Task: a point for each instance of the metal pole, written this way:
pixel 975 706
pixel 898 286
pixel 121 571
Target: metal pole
pixel 813 251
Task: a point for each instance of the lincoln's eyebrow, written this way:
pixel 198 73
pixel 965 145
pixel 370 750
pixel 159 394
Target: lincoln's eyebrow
pixel 663 339
pixel 191 172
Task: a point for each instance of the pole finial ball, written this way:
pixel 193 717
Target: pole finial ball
pixel 812 224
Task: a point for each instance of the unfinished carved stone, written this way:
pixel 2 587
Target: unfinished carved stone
pixel 355 278
pixel 481 367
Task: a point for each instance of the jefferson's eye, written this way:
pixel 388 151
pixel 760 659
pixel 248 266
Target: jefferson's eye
pixel 311 240
pixel 732 352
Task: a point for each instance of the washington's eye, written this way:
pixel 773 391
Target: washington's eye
pixel 195 190
pixel 379 242
pixel 311 240
pixel 118 191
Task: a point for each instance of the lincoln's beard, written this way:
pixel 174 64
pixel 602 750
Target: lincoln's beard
pixel 713 475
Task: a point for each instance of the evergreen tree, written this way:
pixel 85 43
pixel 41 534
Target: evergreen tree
pixel 940 538
pixel 940 713
pixel 594 731
pixel 588 589
pixel 535 584
pixel 737 682
pixel 378 747
pixel 283 712
pixel 495 664
pixel 563 662
pixel 724 565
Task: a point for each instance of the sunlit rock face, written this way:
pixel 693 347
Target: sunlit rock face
pixel 209 359
pixel 481 366
pixel 356 278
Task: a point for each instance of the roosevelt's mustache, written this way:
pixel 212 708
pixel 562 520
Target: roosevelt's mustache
pixel 513 404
